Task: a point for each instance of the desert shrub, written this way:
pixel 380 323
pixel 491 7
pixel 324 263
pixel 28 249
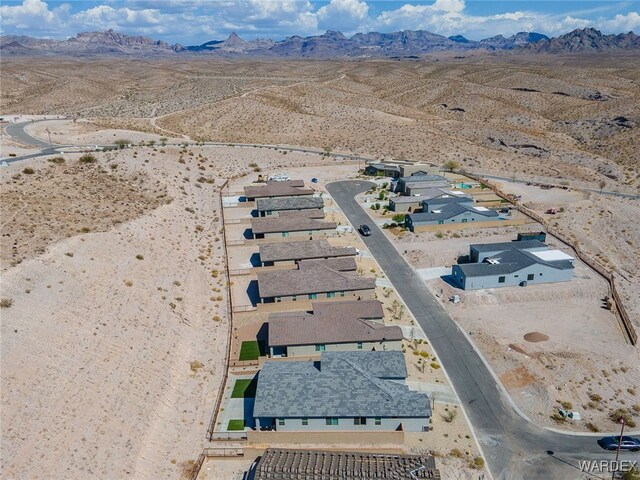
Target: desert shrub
pixel 478 463
pixel 28 171
pixel 450 416
pixel 87 158
pixel 566 405
pixel 6 303
pixel 592 427
pixel 139 257
pixel 558 418
pixel 439 235
pixel 456 453
pixel 56 160
pixel 435 365
pixel 623 413
pixel 594 397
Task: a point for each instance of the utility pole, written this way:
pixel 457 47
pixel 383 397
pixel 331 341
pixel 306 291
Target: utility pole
pixel 50 144
pixel 613 474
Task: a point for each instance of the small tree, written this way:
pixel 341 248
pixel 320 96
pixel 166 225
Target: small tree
pixel 122 143
pixel 151 143
pixel 398 218
pixel 451 165
pixel 602 184
pixel 163 141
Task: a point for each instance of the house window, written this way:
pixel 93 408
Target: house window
pixel 341 294
pixel 285 234
pixel 360 421
pixel 313 296
pixel 305 422
pixel 359 345
pixel 464 220
pixel 294 298
pixel 331 421
pixel 331 294
pixel 378 421
pixel 440 222
pixel 531 276
pixel 281 422
pixel 278 299
pixel 321 347
pixel 501 279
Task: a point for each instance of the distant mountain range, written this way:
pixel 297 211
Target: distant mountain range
pixel 331 44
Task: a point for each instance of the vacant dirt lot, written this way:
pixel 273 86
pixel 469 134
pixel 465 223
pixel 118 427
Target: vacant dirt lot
pixel 114 308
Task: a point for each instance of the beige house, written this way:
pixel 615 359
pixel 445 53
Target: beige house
pixel 288 253
pixel 332 327
pixel 273 189
pixel 267 207
pixel 291 226
pixel 314 280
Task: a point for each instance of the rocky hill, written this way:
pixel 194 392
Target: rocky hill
pixel 331 44
pixel 586 40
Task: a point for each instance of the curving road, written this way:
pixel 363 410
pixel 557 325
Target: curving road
pixel 17 131
pixel 514 447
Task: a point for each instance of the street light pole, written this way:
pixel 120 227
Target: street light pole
pixel 50 144
pixel 613 474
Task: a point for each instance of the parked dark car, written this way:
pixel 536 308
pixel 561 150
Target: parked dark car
pixel 628 443
pixel 365 230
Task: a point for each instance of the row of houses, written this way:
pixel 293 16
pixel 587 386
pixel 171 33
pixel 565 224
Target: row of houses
pixel 349 371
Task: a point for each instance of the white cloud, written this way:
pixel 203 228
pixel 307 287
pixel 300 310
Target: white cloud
pixel 451 6
pixel 195 21
pixel 31 14
pixel 342 15
pixel 622 23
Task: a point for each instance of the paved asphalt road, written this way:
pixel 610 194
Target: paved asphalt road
pixel 514 447
pixel 17 131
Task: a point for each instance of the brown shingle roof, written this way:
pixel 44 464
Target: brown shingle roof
pixel 342 325
pixel 275 252
pixel 289 188
pixel 289 224
pixel 366 309
pixel 311 276
pixel 340 264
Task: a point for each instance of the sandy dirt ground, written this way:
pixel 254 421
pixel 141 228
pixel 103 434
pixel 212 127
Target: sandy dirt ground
pixel 584 352
pixel 555 131
pixel 113 335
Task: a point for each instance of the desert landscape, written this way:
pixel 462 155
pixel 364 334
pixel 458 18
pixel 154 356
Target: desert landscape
pixel 114 301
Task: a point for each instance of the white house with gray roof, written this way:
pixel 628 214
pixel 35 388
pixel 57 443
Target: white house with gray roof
pixel 512 263
pixel 344 391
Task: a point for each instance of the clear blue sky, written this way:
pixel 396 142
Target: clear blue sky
pixel 197 21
